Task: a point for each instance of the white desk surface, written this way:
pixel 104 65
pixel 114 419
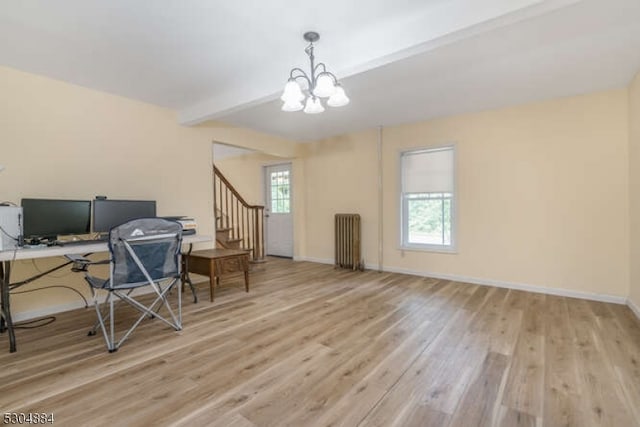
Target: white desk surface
pixel 51 251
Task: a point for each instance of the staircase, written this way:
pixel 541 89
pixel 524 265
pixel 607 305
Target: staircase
pixel 239 225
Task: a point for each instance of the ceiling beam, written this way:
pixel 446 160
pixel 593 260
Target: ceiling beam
pixel 436 26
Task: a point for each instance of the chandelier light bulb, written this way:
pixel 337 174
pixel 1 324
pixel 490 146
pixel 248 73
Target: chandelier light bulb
pixel 324 86
pixel 339 98
pixel 292 92
pixel 314 106
pixel 291 106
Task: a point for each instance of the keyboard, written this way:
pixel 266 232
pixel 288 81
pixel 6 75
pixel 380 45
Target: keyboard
pixel 75 242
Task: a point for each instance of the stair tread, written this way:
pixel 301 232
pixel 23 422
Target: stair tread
pixel 224 242
pixel 239 239
pixel 223 229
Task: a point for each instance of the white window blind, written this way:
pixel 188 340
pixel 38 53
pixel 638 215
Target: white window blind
pixel 428 171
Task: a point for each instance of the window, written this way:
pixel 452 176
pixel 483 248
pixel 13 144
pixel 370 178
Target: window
pixel 428 202
pixel 280 200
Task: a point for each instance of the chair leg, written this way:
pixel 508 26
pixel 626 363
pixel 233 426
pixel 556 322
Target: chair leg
pixel 112 326
pixel 105 312
pixel 101 319
pixel 181 286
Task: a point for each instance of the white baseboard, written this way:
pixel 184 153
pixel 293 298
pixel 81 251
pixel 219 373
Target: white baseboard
pixel 311 259
pixel 497 283
pixel 517 286
pixel 634 308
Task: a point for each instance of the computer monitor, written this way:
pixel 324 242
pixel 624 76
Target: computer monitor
pixel 46 219
pixel 111 213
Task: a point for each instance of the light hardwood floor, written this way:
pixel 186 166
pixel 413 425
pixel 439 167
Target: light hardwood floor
pixel 314 346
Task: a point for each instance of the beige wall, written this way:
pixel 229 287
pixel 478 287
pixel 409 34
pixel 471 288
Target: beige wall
pixel 634 188
pixel 267 144
pixel 341 177
pixel 542 194
pixel 63 141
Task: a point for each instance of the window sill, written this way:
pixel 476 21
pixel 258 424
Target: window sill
pixel 427 248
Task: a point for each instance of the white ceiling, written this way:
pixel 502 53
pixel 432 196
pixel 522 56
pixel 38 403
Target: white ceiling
pixel 399 61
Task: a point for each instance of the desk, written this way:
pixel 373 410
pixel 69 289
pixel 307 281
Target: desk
pixel 6 257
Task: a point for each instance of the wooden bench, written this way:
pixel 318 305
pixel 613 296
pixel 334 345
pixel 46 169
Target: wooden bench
pixel 216 262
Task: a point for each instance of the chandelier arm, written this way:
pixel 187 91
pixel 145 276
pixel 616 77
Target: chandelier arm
pixel 299 70
pixel 324 68
pixel 302 75
pixel 333 76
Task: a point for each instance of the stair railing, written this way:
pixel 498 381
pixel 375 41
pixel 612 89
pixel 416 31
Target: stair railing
pixel 245 221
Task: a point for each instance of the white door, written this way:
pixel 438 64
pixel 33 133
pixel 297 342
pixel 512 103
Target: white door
pixel 278 218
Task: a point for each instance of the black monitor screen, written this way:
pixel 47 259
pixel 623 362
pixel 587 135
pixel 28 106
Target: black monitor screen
pixel 48 218
pixel 111 213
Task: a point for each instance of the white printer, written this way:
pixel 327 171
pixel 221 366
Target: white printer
pixel 189 225
pixel 11 227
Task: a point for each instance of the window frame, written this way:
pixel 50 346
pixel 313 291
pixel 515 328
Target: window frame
pixel 404 201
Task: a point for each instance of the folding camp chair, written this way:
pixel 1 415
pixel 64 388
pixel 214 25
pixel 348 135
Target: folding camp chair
pixel 143 253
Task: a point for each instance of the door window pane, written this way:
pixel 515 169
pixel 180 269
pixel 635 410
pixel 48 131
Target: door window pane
pixel 280 192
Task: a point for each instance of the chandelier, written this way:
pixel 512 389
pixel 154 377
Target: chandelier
pixel 320 84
